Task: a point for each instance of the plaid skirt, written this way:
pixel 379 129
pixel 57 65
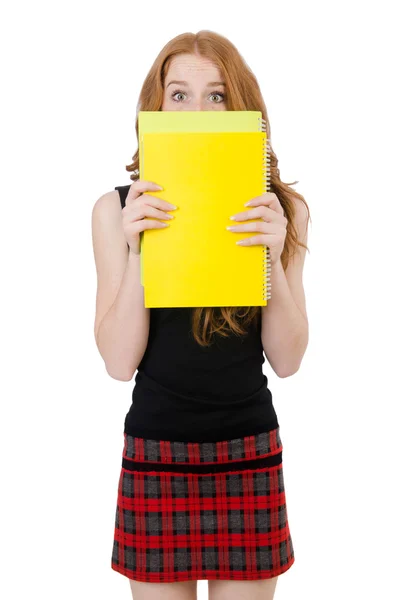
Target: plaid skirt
pixel 202 510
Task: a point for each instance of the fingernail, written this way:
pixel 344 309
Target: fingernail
pixel 158 187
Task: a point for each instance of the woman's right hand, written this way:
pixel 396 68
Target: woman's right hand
pixel 138 206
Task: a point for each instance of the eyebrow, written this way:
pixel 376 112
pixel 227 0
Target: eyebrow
pixel 210 84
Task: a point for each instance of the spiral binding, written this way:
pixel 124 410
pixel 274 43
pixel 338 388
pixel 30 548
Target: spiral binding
pixel 266 291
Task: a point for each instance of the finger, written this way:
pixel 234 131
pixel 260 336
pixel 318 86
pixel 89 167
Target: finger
pixel 149 200
pixel 269 199
pixel 138 187
pixel 257 240
pixel 143 224
pixel 263 212
pixel 156 202
pixel 141 211
pixel 263 226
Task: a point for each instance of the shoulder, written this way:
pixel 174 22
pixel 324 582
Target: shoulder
pixel 107 206
pixel 106 221
pixel 108 237
pixel 300 222
pixel 300 219
pixel 294 269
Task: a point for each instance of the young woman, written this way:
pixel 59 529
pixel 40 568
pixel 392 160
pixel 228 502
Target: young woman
pixel 201 491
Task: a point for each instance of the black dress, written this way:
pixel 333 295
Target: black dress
pixel 201 490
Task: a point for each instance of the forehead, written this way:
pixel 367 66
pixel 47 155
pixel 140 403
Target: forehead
pixel 187 66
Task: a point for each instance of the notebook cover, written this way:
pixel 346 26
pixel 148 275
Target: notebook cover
pixel 196 261
pixel 189 121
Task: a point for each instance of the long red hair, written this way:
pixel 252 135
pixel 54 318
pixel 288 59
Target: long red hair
pixel 242 93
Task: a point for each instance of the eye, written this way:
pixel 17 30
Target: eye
pixel 218 94
pixel 177 92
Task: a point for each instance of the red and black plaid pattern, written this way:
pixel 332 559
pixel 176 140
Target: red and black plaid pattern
pixel 202 510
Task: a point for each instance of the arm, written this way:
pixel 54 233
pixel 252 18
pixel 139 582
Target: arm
pixel 121 322
pixel 285 330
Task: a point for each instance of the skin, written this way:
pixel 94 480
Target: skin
pixel 196 94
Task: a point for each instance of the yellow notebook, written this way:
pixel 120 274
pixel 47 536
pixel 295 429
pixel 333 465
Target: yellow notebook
pixel 171 121
pixel 190 121
pixel 196 261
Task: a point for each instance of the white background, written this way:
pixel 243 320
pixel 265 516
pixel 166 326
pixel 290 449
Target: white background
pixel 71 75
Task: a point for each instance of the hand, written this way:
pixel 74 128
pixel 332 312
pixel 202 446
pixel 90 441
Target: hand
pixel 139 207
pixel 272 224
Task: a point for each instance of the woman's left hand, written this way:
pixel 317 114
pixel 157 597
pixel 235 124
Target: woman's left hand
pixel 272 224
